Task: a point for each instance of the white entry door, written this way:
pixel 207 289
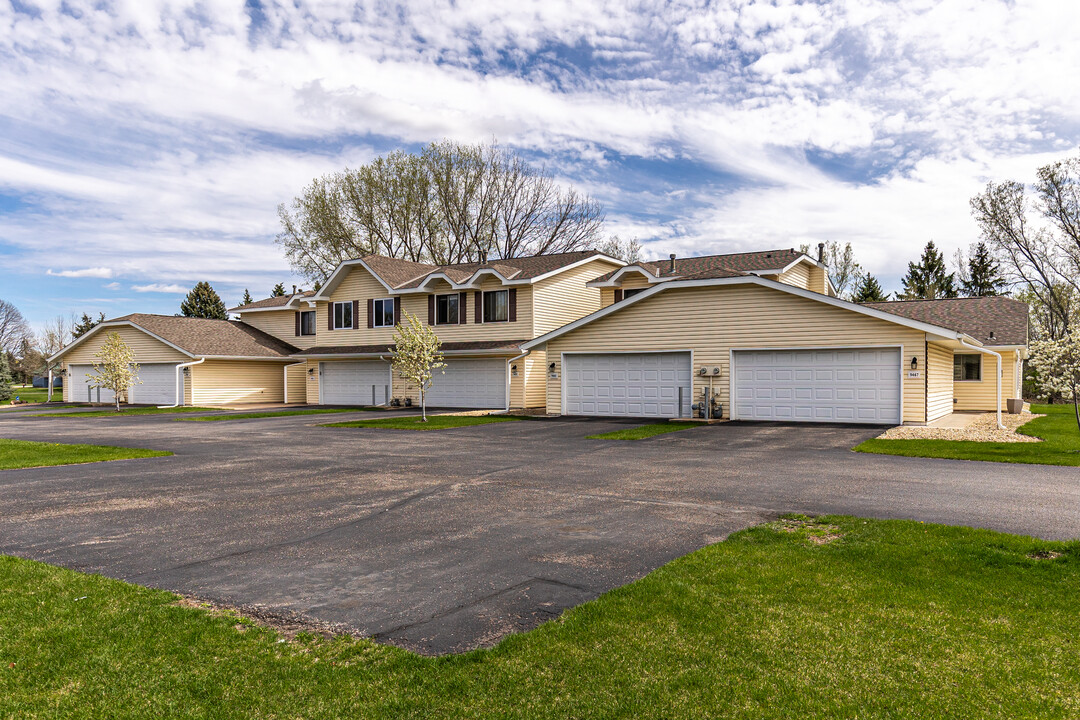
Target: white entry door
pixel 157 385
pixel 627 384
pixel 469 383
pixel 857 385
pixel 352 382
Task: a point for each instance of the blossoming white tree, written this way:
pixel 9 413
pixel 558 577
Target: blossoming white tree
pixel 417 356
pixel 1057 364
pixel 115 367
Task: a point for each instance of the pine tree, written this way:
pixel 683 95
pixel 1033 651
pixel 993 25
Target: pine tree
pixel 86 324
pixel 868 289
pixel 5 377
pixel 928 279
pixel 983 277
pixel 247 298
pixel 279 290
pixel 203 302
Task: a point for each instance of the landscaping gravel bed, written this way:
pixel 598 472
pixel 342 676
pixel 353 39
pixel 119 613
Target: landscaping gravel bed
pixel 983 429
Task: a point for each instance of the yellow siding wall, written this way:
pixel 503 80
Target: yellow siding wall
pixel 282 324
pixel 147 350
pixel 939 382
pixel 972 395
pixel 535 378
pixel 817 280
pixel 714 320
pixel 297 385
pixel 227 382
pixel 312 381
pixel 799 276
pixel 628 281
pixel 564 298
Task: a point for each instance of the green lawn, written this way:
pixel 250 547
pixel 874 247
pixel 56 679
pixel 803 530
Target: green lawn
pixel 274 413
pixel 847 618
pixel 1060 446
pixel 644 431
pixel 33 394
pixel 434 422
pixel 124 410
pixel 26 454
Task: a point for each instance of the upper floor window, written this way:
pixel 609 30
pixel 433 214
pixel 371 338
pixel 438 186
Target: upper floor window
pixel 307 322
pixel 967 367
pixel 343 319
pixel 447 309
pixel 384 313
pixel 496 306
pixel 629 292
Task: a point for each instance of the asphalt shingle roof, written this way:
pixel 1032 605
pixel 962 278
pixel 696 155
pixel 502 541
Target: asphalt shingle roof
pixel 521 268
pixel 200 336
pixel 279 301
pixel 718 266
pixel 508 345
pixel 1005 317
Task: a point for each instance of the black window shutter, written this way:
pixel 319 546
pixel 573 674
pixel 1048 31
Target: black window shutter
pixel 512 314
pixel 355 314
pixel 618 294
pixel 462 306
pixel 478 298
pixel 397 311
pixel 370 313
pixel 297 314
pixel 430 309
pixel 330 312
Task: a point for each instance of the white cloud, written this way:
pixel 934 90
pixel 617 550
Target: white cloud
pixel 112 286
pixel 172 289
pixel 91 272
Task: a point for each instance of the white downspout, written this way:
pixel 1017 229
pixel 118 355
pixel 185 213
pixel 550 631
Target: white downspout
pixel 48 397
pixel 998 356
pixel 179 386
pixel 509 377
pixel 285 369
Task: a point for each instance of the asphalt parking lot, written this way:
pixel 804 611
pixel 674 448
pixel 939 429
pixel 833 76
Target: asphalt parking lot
pixel 445 541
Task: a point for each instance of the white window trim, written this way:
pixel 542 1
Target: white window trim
pixel 978 355
pixel 334 310
pixel 314 323
pixel 377 316
pixel 483 308
pixel 448 295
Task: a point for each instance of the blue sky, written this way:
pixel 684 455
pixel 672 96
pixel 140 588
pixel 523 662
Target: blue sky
pixel 145 145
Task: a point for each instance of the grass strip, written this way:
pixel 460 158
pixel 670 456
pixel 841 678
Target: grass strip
pixel 28 454
pixel 642 432
pixel 126 411
pixel 274 413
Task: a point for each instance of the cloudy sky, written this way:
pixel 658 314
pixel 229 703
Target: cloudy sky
pixel 145 145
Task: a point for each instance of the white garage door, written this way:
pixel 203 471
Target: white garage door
pixel 860 385
pixel 627 384
pixel 157 385
pixel 79 376
pixel 351 383
pixel 469 383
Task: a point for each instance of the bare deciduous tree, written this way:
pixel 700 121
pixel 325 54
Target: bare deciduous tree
pixel 629 251
pixel 13 327
pixel 451 203
pixel 840 262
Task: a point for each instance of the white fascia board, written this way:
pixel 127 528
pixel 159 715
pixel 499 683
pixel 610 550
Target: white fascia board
pixel 470 282
pixel 389 352
pixel 287 306
pixel 612 281
pixel 253 358
pixel 941 332
pixel 123 323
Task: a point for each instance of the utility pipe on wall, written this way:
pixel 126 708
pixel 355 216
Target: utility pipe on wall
pixel 179 386
pixel 998 356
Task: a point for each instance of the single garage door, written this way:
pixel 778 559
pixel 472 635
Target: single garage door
pixel 627 384
pixel 79 376
pixel 352 382
pixel 469 383
pixel 860 385
pixel 157 385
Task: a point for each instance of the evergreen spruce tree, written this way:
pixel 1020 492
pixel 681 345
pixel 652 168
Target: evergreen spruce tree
pixel 85 325
pixel 983 277
pixel 868 289
pixel 247 298
pixel 279 290
pixel 928 279
pixel 203 302
pixel 5 377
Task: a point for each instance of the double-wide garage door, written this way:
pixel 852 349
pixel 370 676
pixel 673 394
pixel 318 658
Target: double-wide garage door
pixel 466 383
pixel 156 386
pixel 627 384
pixel 860 385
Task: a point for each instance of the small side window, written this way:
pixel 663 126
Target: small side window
pixel 967 367
pixel 307 322
pixel 343 319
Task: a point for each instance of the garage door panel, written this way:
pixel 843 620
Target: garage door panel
pixel 634 384
pixel 470 383
pixel 157 384
pixel 350 382
pixel 843 385
pixel 79 377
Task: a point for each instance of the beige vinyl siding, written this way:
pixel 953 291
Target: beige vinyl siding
pixel 939 382
pixel 312 381
pixel 282 324
pixel 147 350
pixel 979 395
pixel 228 382
pixel 297 385
pixel 713 321
pixel 535 379
pixel 564 298
pixel 628 281
pixel 360 285
pixel 799 276
pixel 817 280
